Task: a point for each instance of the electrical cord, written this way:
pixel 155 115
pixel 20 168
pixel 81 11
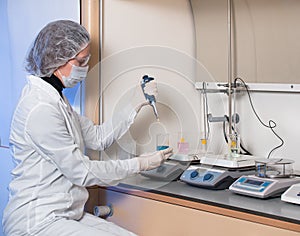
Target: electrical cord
pixel 246 152
pixel 271 124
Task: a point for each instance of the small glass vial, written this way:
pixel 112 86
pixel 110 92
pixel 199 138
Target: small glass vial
pixel 233 145
pixel 203 146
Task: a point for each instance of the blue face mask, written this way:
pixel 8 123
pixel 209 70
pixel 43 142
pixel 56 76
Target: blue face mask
pixel 77 74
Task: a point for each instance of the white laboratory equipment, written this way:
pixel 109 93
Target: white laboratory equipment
pixel 292 194
pixel 220 171
pixel 212 177
pixel 272 178
pixel 168 171
pixel 226 161
pixel 262 187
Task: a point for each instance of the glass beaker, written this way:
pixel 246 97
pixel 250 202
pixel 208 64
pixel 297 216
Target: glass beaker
pixel 233 145
pixel 162 141
pixel 203 146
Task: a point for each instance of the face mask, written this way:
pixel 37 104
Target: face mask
pixel 77 74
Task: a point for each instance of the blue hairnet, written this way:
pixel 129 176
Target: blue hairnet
pixel 55 45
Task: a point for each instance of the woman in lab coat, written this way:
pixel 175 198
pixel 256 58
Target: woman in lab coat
pixel 47 140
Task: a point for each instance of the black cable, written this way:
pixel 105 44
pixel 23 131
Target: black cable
pixel 241 145
pixel 244 149
pixel 272 124
pixel 224 131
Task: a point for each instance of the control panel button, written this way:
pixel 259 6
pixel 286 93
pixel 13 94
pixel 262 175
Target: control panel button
pixel 208 177
pixel 194 174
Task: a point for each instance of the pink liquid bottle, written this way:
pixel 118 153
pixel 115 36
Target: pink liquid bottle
pixel 183 147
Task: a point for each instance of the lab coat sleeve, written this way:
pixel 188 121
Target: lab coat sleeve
pixel 47 133
pixel 99 137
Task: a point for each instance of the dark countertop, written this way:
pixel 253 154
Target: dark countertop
pixel 272 208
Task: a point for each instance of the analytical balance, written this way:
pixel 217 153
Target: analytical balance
pixel 292 195
pixel 273 177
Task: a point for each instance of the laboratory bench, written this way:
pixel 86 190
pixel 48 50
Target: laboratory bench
pixel 152 207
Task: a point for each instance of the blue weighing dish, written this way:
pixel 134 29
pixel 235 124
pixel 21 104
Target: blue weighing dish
pixel 158 148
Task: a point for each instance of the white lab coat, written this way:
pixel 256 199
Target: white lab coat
pixel 47 141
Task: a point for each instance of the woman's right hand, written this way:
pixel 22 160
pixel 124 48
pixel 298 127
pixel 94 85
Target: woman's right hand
pixel 150 161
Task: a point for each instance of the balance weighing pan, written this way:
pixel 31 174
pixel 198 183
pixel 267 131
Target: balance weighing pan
pixel 274 168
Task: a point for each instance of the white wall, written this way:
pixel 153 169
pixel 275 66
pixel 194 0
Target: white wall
pixel 284 109
pixel 154 38
pixel 20 21
pixel 265 36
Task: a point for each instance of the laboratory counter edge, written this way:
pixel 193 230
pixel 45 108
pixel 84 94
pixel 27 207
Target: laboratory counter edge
pixel 272 211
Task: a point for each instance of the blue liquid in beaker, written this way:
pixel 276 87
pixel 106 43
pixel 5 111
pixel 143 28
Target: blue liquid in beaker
pixel 158 148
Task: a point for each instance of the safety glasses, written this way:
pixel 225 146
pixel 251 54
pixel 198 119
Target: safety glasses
pixel 83 61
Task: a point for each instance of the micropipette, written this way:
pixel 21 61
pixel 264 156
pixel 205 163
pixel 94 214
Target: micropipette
pixel 149 98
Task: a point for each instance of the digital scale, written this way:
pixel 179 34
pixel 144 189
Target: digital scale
pixel 211 178
pixel 262 187
pixel 273 177
pixel 168 171
pixel 292 195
